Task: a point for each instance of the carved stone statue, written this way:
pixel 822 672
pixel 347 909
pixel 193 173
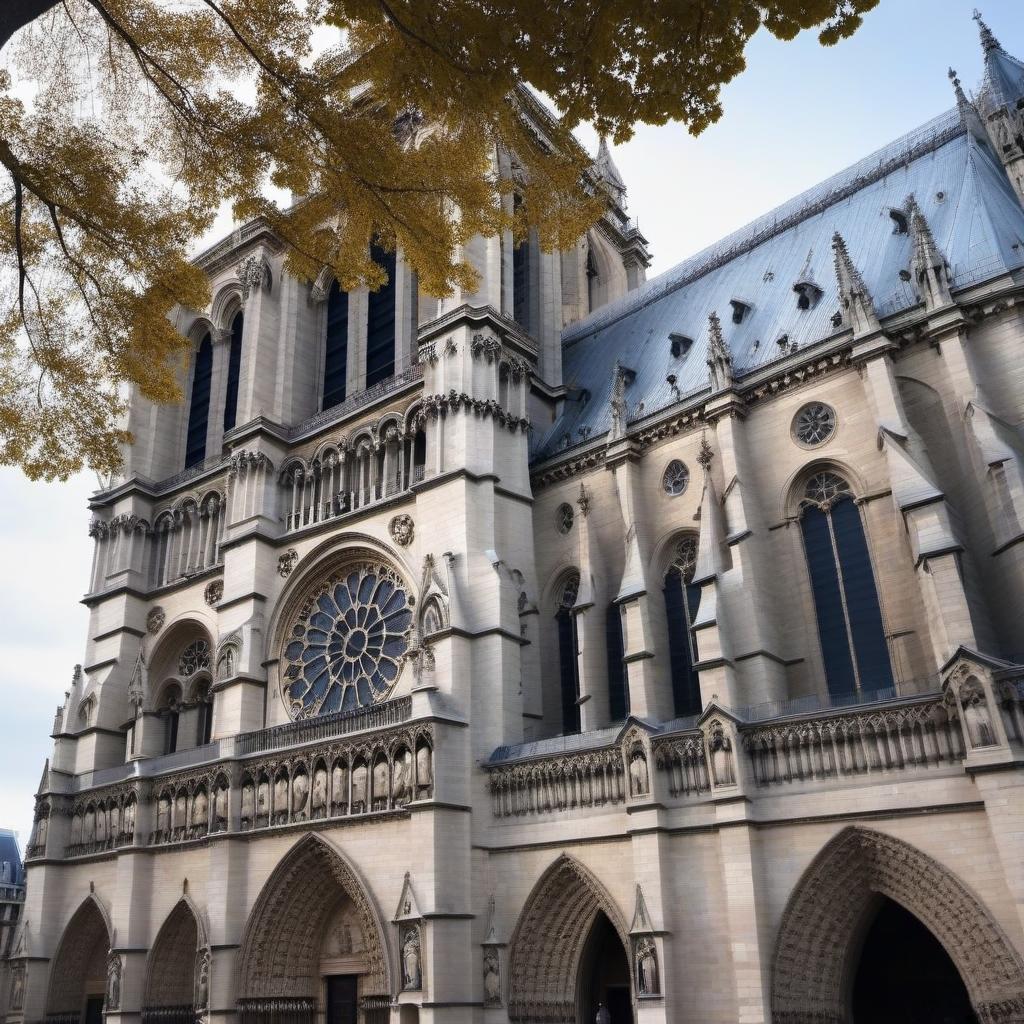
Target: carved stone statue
pixel 411 972
pixel 647 968
pixel 492 978
pixel 220 803
pixel 638 780
pixel 602 1016
pixel 319 792
pixel 359 789
pixel 300 791
pixel 42 831
pixel 402 529
pixel 114 981
pixel 977 721
pixel 202 979
pixel 263 798
pixel 115 822
pixel 101 824
pixel 200 809
pixel 90 826
pixel 424 771
pixel 280 798
pixel 163 813
pixel 380 785
pixel 180 809
pixel 248 801
pixel 129 818
pixel 402 792
pixel 76 830
pixel 721 756
pixel 339 786
pixel 17 1000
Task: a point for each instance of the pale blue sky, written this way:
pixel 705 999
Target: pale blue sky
pixel 797 115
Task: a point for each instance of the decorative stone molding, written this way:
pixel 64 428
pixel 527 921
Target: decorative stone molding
pixel 402 529
pixel 254 274
pixel 684 759
pixel 229 653
pixel 287 562
pixel 155 620
pixel 104 820
pixel 454 402
pixel 827 907
pixel 213 593
pixel 114 967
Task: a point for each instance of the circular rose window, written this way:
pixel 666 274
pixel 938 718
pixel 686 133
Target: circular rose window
pixel 814 424
pixel 346 645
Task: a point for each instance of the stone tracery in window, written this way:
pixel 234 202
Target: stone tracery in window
pixel 570 591
pixel 564 517
pixel 194 658
pixel 824 488
pixel 676 478
pixel 346 645
pixel 686 557
pixel 814 424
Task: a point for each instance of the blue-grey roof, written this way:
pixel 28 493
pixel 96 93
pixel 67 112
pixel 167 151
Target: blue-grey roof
pixel 961 189
pixel 1004 80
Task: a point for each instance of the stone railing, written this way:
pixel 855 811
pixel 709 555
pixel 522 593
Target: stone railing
pixel 854 743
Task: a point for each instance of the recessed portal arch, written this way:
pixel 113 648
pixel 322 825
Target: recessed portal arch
pixel 177 969
pixel 820 942
pixel 569 926
pixel 78 974
pixel 287 933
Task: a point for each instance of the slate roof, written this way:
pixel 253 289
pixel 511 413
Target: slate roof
pixel 960 187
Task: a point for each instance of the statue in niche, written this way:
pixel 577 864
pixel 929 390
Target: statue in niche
pixel 163 814
pixel 638 779
pixel 115 822
pixel 300 790
pixel 424 771
pixel 226 664
pixel 380 785
pixel 90 826
pixel 319 803
pixel 42 830
pixel 17 1000
pixel 200 810
pixel 76 830
pixel 976 719
pixel 263 799
pixel 402 792
pixel 101 824
pixel 721 756
pixel 359 789
pixel 647 968
pixel 220 802
pixel 129 818
pixel 339 786
pixel 411 972
pixel 281 799
pixel 202 979
pixel 492 978
pixel 180 809
pixel 114 982
pixel 248 801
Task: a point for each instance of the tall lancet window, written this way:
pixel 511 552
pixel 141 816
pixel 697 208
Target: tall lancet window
pixel 618 691
pixel 380 327
pixel 568 667
pixel 521 278
pixel 336 351
pixel 199 404
pixel 682 598
pixel 853 644
pixel 234 369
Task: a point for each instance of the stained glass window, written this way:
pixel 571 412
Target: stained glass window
pixel 815 423
pixel 682 599
pixel 194 658
pixel 564 517
pixel 676 477
pixel 347 643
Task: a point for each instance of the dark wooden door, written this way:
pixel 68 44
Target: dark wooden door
pixel 342 999
pixel 620 1005
pixel 93 1010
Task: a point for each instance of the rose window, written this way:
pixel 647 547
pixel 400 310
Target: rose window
pixel 564 518
pixel 814 424
pixel 347 643
pixel 194 658
pixel 823 489
pixel 676 477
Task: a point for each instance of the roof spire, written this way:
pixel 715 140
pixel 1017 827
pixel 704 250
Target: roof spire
pixel 858 307
pixel 969 115
pixel 606 170
pixel 720 371
pixel 988 40
pixel 927 264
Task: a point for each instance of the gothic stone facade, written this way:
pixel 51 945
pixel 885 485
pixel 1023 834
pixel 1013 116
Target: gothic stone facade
pixel 581 646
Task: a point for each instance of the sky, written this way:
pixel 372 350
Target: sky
pixel 798 114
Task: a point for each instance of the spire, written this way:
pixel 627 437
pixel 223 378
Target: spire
pixel 928 266
pixel 720 372
pixel 617 402
pixel 988 40
pixel 605 168
pixel 858 308
pixel 969 116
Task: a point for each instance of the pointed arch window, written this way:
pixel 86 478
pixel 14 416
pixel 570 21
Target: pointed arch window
pixel 682 598
pixel 521 273
pixel 380 327
pixel 846 605
pixel 568 667
pixel 618 691
pixel 336 350
pixel 234 370
pixel 199 403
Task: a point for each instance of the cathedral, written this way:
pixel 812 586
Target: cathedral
pixel 580 648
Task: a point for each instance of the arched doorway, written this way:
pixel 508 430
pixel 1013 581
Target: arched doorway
pixel 314 945
pixel 78 974
pixel 904 976
pixel 840 919
pixel 177 970
pixel 604 975
pixel 568 951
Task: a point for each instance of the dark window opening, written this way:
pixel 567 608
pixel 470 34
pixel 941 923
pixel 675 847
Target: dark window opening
pixel 900 223
pixel 234 369
pixel 679 344
pixel 336 351
pixel 808 294
pixel 618 689
pixel 380 327
pixel 204 733
pixel 521 278
pixel 199 404
pixel 739 310
pixel 568 666
pixel 171 731
pixel 681 602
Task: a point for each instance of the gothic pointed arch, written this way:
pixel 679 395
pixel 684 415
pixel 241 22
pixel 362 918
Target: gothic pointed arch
pixel 279 956
pixel 172 965
pixel 550 939
pixel 79 968
pixel 823 922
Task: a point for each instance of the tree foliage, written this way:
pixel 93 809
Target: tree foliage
pixel 126 124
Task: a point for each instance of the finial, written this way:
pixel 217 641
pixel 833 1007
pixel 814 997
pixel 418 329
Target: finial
pixel 988 40
pixel 858 306
pixel 720 372
pixel 705 455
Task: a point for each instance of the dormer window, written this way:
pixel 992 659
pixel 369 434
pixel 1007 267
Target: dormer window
pixel 739 310
pixel 680 344
pixel 808 294
pixel 900 222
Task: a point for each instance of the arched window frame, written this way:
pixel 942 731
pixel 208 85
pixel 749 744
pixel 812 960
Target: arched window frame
pixel 234 370
pixel 566 594
pixel 682 599
pixel 334 379
pixel 382 320
pixel 200 387
pixel 843 584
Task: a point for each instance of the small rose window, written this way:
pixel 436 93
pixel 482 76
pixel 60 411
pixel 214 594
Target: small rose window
pixel 564 517
pixel 814 424
pixel 676 478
